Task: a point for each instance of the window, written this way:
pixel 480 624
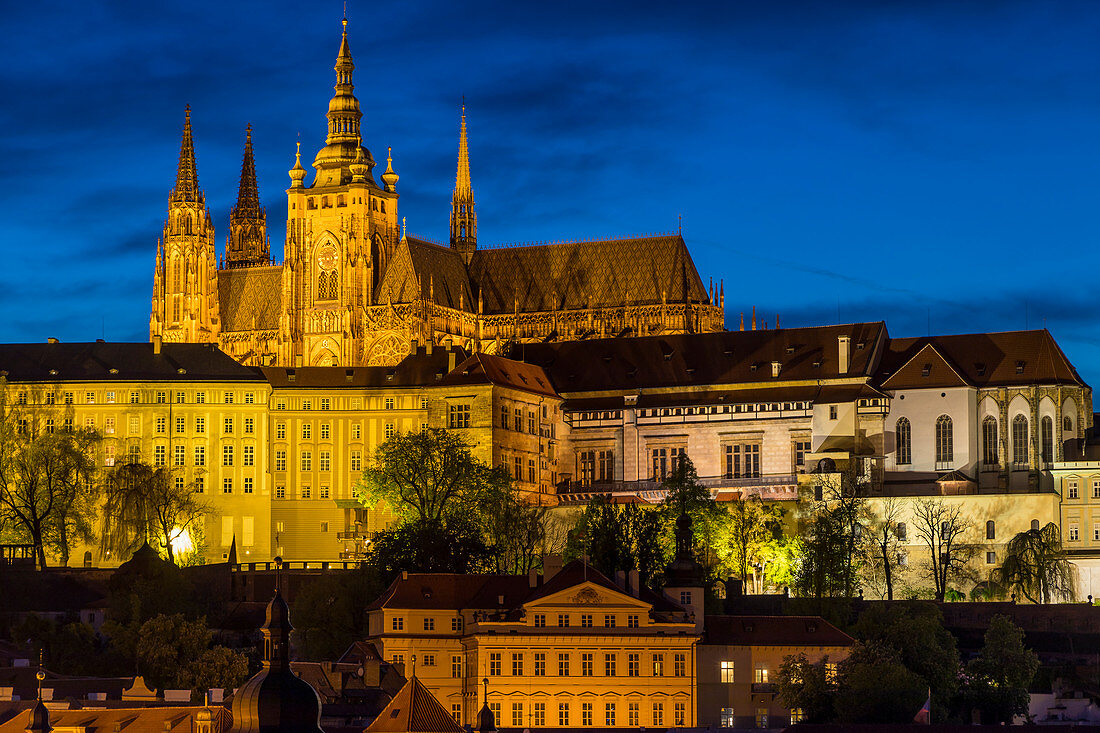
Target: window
pixel 1096 533
pixel 633 665
pixel 249 455
pixel 458 416
pixel 517 422
pixel 324 460
pixel 199 484
pixel 162 425
pixel 200 455
pixel 685 598
pixel 540 620
pixel 494 664
pixel 179 483
pixel 200 398
pixel 904 433
pixel 504 416
pixel 658 714
pixel 832 412
pixel 68 398
pixel 159 458
pixel 227 455
pixel 944 444
pixel 586 713
pixel 280 460
pixel 658 665
pixel 135 425
pixel 532 476
pixel 280 430
pixel 517 664
pixel 227 425
pixel 1035 524
pixel 249 426
pixel 563 665
pixel 518 471
pixel 1019 443
pixel 248 485
pixel 49 425
pixel 609 714
pixel 356 431
pixel 761 717
pixel 726 719
pixel 609 621
pixel 830 671
pixel 664 461
pixel 1074 533
pixel 902 532
pixel 991 530
pixel 797 716
pixel 200 425
pixel 679 665
pixel 280 492
pixel 397 624
pixel 586 664
pixel 532 422
pixel 743 460
pixel 227 486
pixel 760 674
pixel 326 403
pixel 632 621
pixel 307 460
pixel 563 714
pixel 801 448
pixel 307 431
pixel 991 558
pixel 989 441
pixel 632 714
pixel 323 492
pixel 456 712
pixel 280 404
pixel 517 714
pixel 249 398
pixel 586 621
pixel 726 671
pixel 539 714
pixel 1046 433
pixel 181 424
pixel 390 430
pixel 540 664
pixel 1095 489
pixel 307 404
pixel 456 666
pixel 389 403
pixel 162 398
pixel 179 455
pixel 609 664
pixel 680 711
pixel 356 460
pixel 563 619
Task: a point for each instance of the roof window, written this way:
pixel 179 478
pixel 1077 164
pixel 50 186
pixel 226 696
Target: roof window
pixel 1020 366
pixel 926 370
pixel 980 369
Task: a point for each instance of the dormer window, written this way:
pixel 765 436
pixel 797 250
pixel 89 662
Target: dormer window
pixel 1020 366
pixel 926 370
pixel 980 369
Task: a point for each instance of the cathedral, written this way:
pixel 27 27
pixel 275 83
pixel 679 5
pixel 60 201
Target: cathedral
pixel 354 289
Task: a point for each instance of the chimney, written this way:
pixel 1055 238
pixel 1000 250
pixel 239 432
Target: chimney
pixel 414 344
pixel 843 350
pixel 533 578
pixel 156 344
pixel 404 575
pixel 634 583
pixel 777 366
pixel 451 356
pixel 428 347
pixel 620 580
pixel 551 565
pixel 734 591
pixel 51 340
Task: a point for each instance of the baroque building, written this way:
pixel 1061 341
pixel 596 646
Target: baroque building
pixel 354 289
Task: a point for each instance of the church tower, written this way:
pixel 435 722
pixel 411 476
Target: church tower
pixel 185 282
pixel 341 230
pixel 463 217
pixel 247 220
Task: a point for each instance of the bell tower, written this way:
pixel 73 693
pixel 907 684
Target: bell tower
pixel 185 281
pixel 247 220
pixel 463 216
pixel 341 229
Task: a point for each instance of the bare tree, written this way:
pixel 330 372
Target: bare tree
pixel 944 531
pixel 834 532
pixel 882 565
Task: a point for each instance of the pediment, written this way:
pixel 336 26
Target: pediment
pixel 587 594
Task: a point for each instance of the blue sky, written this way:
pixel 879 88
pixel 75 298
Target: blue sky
pixel 931 164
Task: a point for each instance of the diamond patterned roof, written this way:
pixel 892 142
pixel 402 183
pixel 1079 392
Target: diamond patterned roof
pixel 250 298
pixel 439 268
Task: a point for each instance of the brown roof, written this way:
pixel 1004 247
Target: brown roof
pixel 451 590
pixel 577 275
pixel 481 368
pixel 250 298
pixel 419 269
pixel 118 361
pixel 416 370
pixel 414 709
pixel 773 631
pixel 728 357
pixel 132 720
pixel 978 359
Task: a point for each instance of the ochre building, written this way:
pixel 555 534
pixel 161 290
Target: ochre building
pixel 353 289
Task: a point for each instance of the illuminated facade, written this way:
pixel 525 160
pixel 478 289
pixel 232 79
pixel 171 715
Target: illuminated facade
pixel 354 290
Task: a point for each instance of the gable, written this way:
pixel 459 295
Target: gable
pixel 584 595
pixel 927 368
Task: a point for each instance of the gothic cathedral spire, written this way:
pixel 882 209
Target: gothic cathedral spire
pixel 463 217
pixel 247 220
pixel 344 138
pixel 185 284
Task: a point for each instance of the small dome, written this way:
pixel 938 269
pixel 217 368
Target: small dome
pixel 276 701
pixel 486 722
pixel 278 614
pixel 40 719
pixel 204 716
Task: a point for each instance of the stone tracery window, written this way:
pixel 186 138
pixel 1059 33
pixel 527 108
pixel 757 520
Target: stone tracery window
pixel 1020 451
pixel 326 286
pixel 944 443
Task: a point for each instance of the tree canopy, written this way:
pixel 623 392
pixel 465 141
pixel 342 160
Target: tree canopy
pixel 1037 566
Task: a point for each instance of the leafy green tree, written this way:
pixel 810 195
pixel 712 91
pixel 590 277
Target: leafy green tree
pixel 997 679
pixel 452 544
pixel 620 537
pixel 515 530
pixel 751 537
pixel 1037 566
pixel 807 686
pixel 834 533
pixel 427 474
pixel 217 666
pixel 329 612
pixel 146 504
pixel 874 686
pixel 176 653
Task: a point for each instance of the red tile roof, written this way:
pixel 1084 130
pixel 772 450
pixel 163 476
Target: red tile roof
pixel 773 631
pixel 414 709
pixel 482 368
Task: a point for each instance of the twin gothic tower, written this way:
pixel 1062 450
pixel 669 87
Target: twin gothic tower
pixel 354 289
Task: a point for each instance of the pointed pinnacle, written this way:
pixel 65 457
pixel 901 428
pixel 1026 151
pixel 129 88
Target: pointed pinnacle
pixel 187 177
pixel 463 187
pixel 248 194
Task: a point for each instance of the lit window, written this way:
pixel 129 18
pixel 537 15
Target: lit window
pixel 726 669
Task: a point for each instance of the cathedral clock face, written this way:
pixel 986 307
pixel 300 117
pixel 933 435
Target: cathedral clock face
pixel 326 258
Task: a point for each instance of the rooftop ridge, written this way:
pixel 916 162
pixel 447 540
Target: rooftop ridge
pixel 627 238
pixel 428 240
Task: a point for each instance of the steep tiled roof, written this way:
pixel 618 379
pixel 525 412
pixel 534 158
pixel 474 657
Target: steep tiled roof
pixel 773 631
pixel 432 268
pixel 449 590
pixel 481 368
pixel 577 275
pixel 419 369
pixel 729 357
pixel 414 709
pixel 250 298
pixel 132 720
pixel 980 359
pixel 100 361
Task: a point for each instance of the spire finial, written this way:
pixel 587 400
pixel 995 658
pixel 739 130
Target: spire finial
pixel 187 178
pixel 402 227
pixel 389 178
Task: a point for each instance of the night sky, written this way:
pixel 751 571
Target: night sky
pixel 930 164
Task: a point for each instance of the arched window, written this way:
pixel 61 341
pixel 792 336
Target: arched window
pixel 905 442
pixel 945 452
pixel 991 530
pixel 989 441
pixel 1046 432
pixel 902 532
pixel 1035 524
pixel 326 286
pixel 1019 442
pixel 1067 424
pixel 177 281
pixel 176 310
